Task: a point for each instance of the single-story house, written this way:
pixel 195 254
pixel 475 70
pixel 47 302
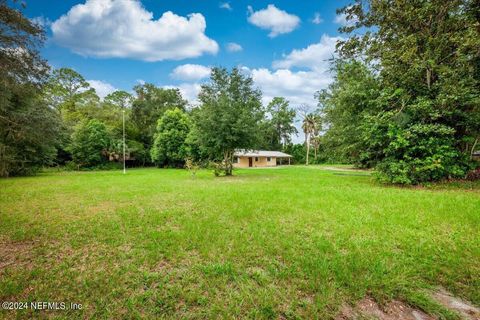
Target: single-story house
pixel 258 158
pixel 476 155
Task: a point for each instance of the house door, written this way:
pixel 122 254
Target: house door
pixel 250 162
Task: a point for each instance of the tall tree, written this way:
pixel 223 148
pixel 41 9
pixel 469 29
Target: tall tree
pixel 29 132
pixel 150 105
pixel 343 107
pixel 428 62
pixel 308 126
pixel 229 115
pixel 69 93
pixel 282 122
pixel 28 128
pixel 20 40
pixel 111 111
pixel 63 87
pixel 119 99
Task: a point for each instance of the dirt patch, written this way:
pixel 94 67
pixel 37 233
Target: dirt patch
pixel 367 308
pixel 162 265
pixel 15 253
pixel 462 307
pixel 102 207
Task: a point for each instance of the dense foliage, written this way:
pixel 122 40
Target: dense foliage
pixel 344 107
pixel 413 109
pixel 28 132
pixel 278 127
pixel 150 104
pixel 169 145
pixel 28 128
pixel 90 142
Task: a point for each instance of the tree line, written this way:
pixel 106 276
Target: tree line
pixel 160 128
pixel 55 118
pixel 405 100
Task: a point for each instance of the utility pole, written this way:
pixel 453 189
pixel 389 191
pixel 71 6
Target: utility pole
pixel 124 169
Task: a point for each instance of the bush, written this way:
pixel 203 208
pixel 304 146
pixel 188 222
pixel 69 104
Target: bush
pixel 191 166
pixel 217 167
pixel 421 153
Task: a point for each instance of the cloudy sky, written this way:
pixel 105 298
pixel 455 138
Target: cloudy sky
pixel 284 45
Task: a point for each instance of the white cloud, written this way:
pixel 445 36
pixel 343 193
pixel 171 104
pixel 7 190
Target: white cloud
pixel 124 29
pixel 189 91
pixel 190 72
pixel 317 19
pixel 226 5
pixel 342 20
pixel 42 21
pixel 101 87
pixel 315 56
pixel 233 47
pixel 273 19
pixel 298 87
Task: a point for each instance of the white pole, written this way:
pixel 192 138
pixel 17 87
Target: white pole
pixel 124 170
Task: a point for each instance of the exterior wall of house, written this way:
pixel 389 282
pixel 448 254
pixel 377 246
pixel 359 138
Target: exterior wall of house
pixel 262 162
pixel 242 163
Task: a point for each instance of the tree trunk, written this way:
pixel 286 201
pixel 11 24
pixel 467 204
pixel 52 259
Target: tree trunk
pixel 307 140
pixel 473 148
pixel 429 78
pixel 227 159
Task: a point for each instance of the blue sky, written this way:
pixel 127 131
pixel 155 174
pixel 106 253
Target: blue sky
pixel 283 45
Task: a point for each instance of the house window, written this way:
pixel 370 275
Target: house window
pixel 256 159
pixel 269 159
pixel 236 160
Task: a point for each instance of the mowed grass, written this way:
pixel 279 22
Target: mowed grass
pixel 291 242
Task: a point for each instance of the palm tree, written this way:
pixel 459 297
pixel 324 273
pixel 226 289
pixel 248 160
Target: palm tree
pixel 308 126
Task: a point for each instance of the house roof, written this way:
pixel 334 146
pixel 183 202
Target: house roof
pixel 260 153
pixel 476 153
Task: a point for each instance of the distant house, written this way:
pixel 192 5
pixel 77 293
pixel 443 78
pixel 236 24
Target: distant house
pixel 476 155
pixel 259 158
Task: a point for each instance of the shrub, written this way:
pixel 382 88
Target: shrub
pixel 191 166
pixel 217 167
pixel 421 153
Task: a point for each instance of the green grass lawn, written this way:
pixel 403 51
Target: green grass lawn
pixel 291 242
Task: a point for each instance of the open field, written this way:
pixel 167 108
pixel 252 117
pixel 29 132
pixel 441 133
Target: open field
pixel 288 243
